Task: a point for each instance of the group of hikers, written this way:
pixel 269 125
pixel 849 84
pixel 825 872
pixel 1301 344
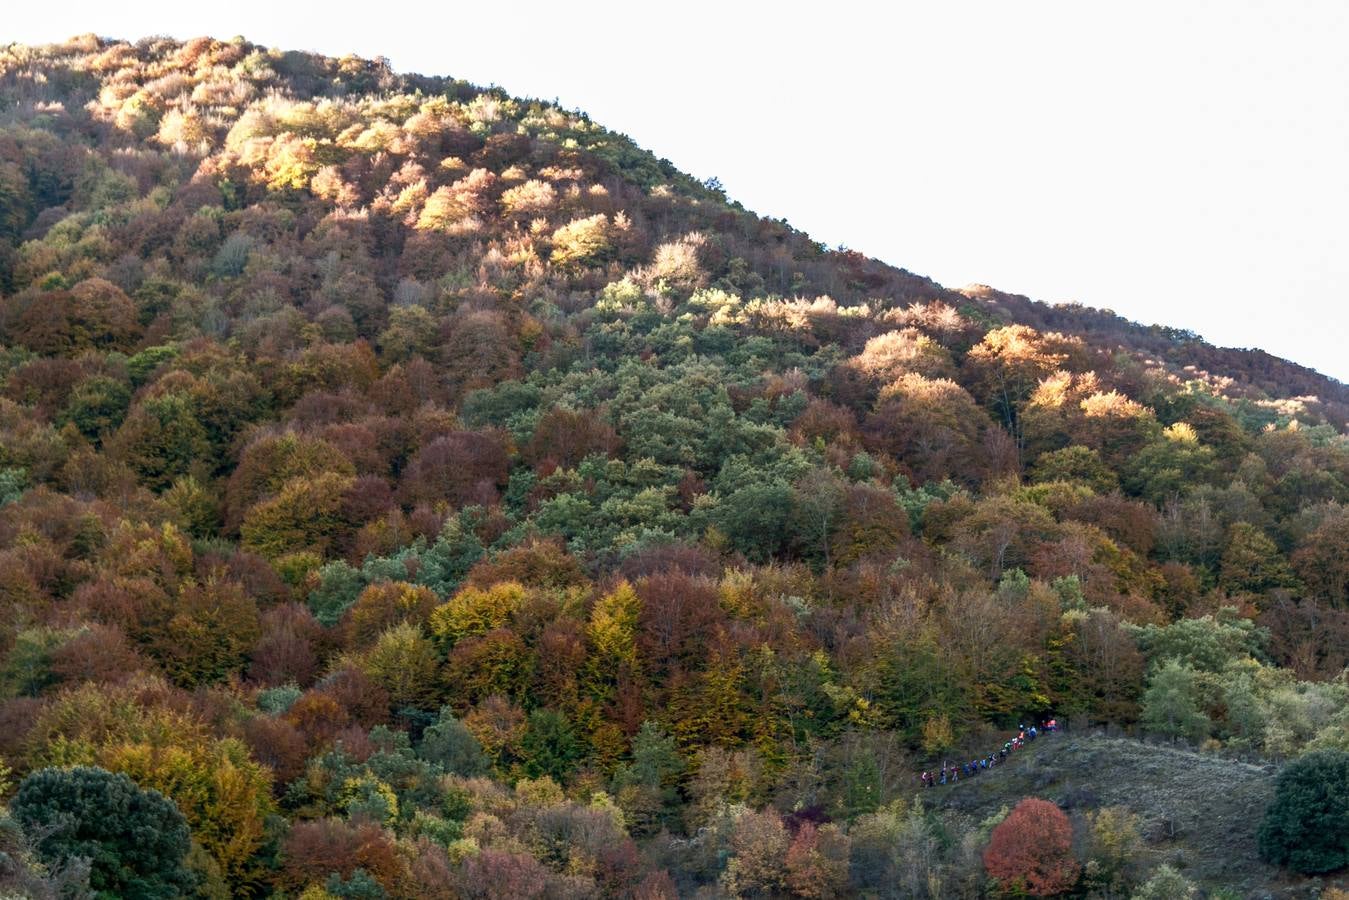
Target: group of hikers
pixel 950 774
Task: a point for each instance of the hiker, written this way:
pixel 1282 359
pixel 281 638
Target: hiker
pixel 950 772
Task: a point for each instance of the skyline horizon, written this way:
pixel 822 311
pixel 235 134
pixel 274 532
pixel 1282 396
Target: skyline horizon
pixel 1219 289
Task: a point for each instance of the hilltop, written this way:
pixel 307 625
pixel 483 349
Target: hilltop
pixel 251 112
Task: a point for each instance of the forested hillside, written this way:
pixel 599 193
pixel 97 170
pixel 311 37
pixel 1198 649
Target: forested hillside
pixel 408 490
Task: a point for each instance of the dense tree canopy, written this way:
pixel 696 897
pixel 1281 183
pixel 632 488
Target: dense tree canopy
pixel 425 492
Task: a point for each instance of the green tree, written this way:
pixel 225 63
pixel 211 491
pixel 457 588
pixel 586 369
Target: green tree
pixel 1168 466
pixel 339 586
pixel 755 518
pixel 162 439
pixel 550 746
pixel 817 508
pixel 97 406
pixel 1306 828
pixel 136 840
pixel 449 744
pixel 647 787
pixel 143 364
pixel 656 761
pixel 1252 562
pixel 1171 703
pixel 12 484
pixel 862 786
pixel 1207 644
pixel 16 203
pixel 26 669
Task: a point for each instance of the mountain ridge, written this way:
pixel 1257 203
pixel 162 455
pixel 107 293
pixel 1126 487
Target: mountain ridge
pixel 1251 368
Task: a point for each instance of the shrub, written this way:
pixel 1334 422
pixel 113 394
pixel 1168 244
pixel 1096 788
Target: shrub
pixel 1166 884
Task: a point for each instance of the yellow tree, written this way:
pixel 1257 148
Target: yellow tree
pixel 1004 369
pixel 404 662
pixel 475 611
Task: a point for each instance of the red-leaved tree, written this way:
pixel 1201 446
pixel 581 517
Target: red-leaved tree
pixel 1032 848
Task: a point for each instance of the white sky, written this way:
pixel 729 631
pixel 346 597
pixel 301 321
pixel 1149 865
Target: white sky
pixel 1182 162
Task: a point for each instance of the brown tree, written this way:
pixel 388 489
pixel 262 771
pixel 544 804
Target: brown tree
pixel 564 437
pixel 932 427
pixel 460 468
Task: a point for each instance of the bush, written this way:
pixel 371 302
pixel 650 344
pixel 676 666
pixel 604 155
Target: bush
pixel 1166 884
pixel 275 701
pixel 1306 828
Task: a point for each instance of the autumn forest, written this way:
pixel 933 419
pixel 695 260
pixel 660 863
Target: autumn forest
pixel 412 491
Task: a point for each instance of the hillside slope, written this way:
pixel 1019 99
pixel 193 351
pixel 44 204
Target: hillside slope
pixel 433 494
pixel 67 91
pixel 1199 812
